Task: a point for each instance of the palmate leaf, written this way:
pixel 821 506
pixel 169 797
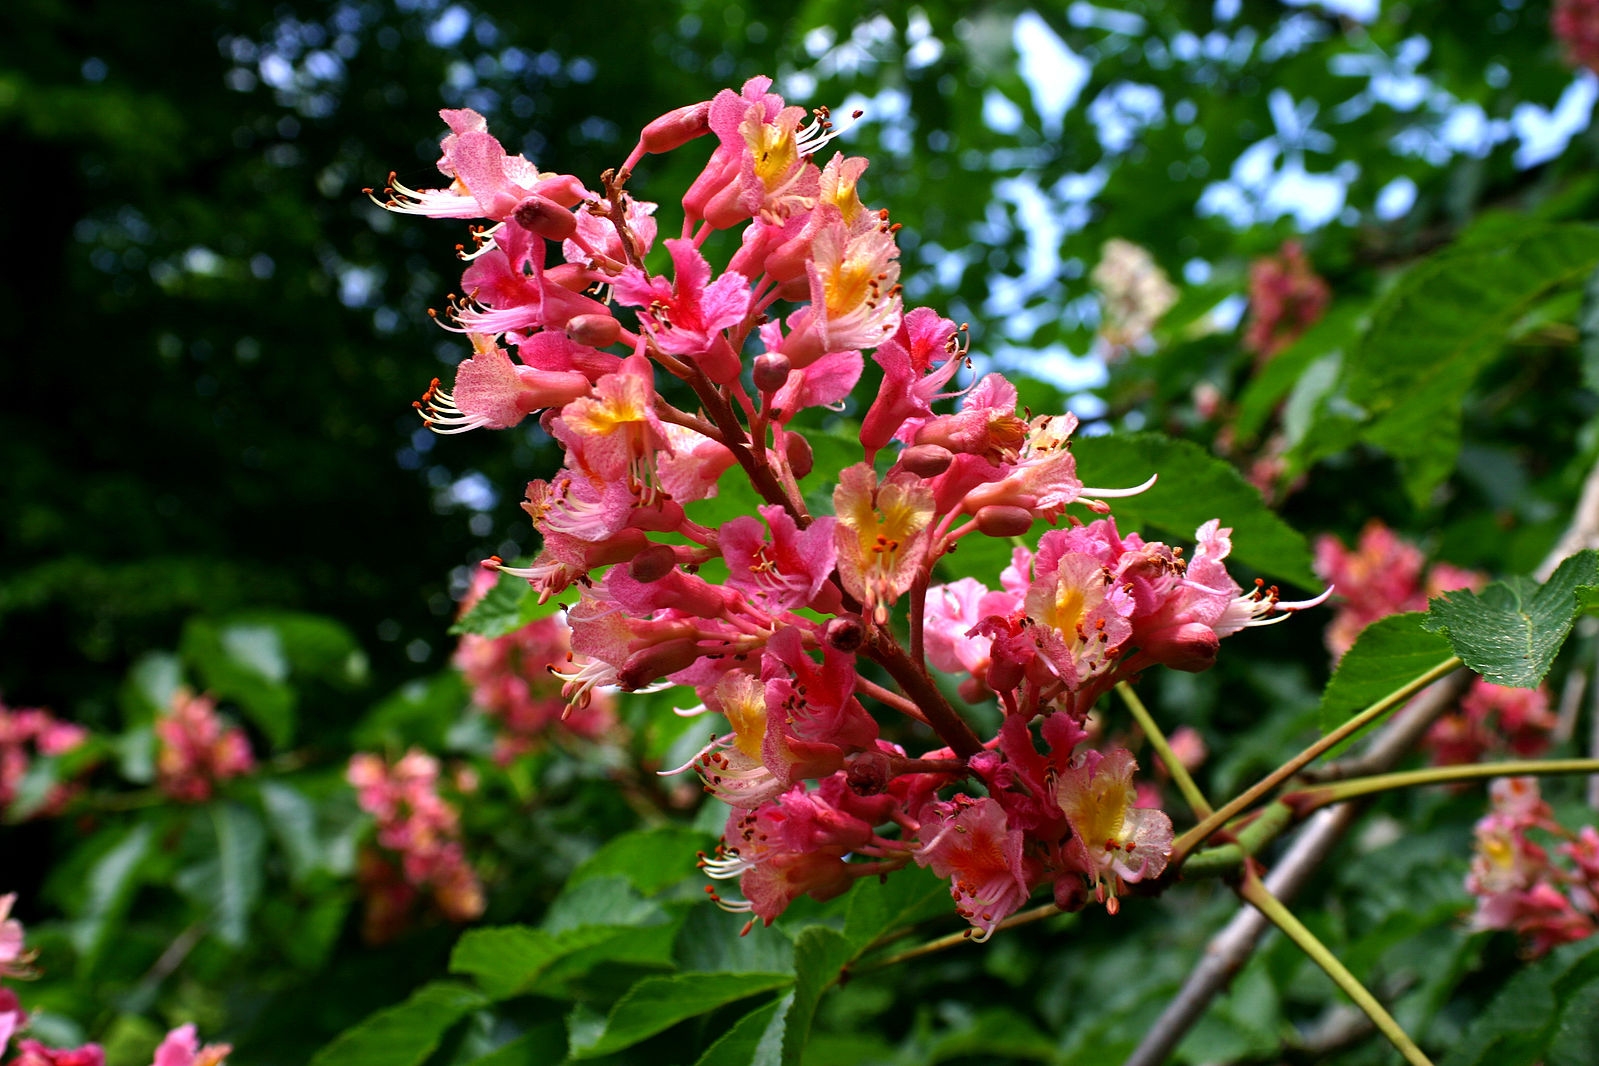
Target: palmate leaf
pixel 1407 378
pixel 656 1004
pixel 1547 1013
pixel 1387 654
pixel 1511 631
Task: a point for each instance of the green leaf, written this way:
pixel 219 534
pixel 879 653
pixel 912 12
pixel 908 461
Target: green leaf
pixel 1588 327
pixel 1511 632
pixel 1267 389
pixel 511 604
pixel 820 955
pixel 755 1039
pixel 1434 331
pixel 402 1035
pixel 1194 487
pixel 229 883
pixel 1388 653
pixel 543 1043
pixel 648 859
pixel 244 663
pixel 878 907
pixel 292 817
pixel 508 960
pixel 658 1003
pixel 110 884
pixel 1544 1011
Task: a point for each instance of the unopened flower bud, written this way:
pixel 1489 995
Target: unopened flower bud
pixel 1190 646
pixel 676 128
pixel 926 460
pixel 653 563
pixel 868 772
pixel 596 331
pixel 546 218
pixel 798 450
pixel 771 371
pixel 569 276
pixel 1003 520
pixel 845 634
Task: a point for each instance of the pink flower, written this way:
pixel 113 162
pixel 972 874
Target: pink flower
pixel 418 825
pixel 14 961
pixel 182 1048
pixel 197 751
pixel 1119 842
pixel 1575 24
pixel 33 1053
pixel 969 841
pixel 28 732
pixel 1285 298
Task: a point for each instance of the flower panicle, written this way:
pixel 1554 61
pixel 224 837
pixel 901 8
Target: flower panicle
pixel 572 321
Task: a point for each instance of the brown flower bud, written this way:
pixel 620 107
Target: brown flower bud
pixel 926 460
pixel 653 563
pixel 845 634
pixel 596 331
pixel 798 450
pixel 1004 520
pixel 771 371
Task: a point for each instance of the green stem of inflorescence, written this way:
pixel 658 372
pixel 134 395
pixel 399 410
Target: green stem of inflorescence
pixel 1254 892
pixel 1220 817
pixel 1310 799
pixel 1179 773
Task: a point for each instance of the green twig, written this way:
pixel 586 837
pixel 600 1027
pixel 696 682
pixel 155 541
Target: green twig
pixel 1227 859
pixel 1179 773
pixel 1325 795
pixel 1201 832
pixel 1254 892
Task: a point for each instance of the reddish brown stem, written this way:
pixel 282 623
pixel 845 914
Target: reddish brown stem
pixel 885 651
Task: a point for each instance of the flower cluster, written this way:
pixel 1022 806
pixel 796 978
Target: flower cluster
pixel 787 621
pixel 1134 293
pixel 1575 24
pixel 511 680
pixel 423 830
pixel 1547 900
pixel 198 751
pixel 24 735
pixel 1286 297
pixel 180 1047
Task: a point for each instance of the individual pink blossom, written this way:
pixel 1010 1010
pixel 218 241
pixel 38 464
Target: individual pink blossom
pixel 1286 297
pixel 33 1053
pixel 1120 843
pixel 15 961
pixel 510 680
pixel 12 1017
pixel 969 841
pixel 181 1047
pixel 198 751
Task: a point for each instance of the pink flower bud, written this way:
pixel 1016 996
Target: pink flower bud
pixel 545 218
pixel 569 276
pixel 926 460
pixel 653 563
pixel 845 634
pixel 676 128
pixel 771 371
pixel 798 450
pixel 1003 520
pixel 596 331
